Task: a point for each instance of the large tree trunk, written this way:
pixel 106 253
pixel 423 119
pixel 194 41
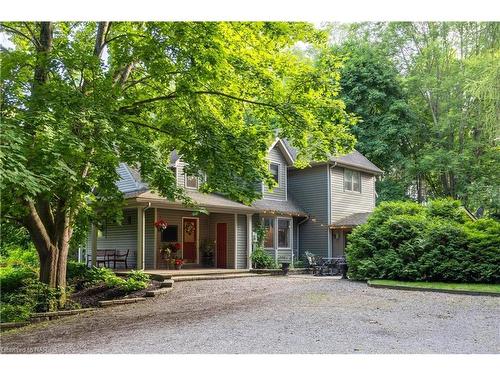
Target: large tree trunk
pixel 51 232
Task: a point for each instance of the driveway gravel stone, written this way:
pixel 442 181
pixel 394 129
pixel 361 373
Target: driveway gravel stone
pixel 295 314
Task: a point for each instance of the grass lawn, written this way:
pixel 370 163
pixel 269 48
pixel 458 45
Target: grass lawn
pixel 489 288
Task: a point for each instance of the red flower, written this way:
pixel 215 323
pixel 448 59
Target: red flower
pixel 161 224
pixel 177 246
pixel 179 262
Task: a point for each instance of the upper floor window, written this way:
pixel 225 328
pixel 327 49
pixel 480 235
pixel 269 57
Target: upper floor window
pixel 352 180
pixel 275 171
pixel 191 182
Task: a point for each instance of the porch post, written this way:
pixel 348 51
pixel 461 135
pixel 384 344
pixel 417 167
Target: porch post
pixel 140 238
pixel 249 241
pixel 94 245
pixel 155 240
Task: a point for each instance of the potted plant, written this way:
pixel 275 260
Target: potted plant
pixel 168 252
pixel 285 267
pixel 178 263
pixel 161 225
pixel 207 257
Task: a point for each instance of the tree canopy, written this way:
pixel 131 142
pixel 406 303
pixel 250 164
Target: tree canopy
pixel 437 87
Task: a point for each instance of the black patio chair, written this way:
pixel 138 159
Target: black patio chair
pixel 314 263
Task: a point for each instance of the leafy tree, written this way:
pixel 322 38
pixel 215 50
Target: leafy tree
pixel 387 132
pixel 450 73
pixel 79 97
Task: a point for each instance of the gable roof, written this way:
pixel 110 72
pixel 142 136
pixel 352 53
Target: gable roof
pixel 354 159
pixel 285 151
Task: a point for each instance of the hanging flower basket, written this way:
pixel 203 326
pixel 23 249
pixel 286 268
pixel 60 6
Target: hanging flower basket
pixel 161 225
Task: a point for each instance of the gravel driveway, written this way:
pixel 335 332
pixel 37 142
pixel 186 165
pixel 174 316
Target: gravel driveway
pixel 297 314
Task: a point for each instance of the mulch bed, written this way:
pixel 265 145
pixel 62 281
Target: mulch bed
pixel 90 297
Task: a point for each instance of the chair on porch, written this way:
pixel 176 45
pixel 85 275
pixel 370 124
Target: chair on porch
pixel 121 257
pixel 103 257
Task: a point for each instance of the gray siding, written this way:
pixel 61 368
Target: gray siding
pixel 309 187
pixel 279 192
pixel 242 255
pixel 149 241
pixel 119 237
pixel 229 220
pixel 346 202
pixel 126 182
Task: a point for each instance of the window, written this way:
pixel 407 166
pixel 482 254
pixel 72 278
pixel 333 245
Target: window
pixel 268 223
pixel 284 231
pixel 352 180
pixel 169 234
pixel 191 182
pixel 275 171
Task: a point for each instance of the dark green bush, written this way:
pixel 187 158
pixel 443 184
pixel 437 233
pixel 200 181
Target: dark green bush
pixel 14 313
pixel 12 278
pixel 406 241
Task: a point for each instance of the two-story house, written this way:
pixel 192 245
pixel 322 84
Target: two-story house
pixel 308 210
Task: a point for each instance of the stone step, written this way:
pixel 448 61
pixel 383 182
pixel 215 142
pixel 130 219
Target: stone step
pixel 120 301
pixel 157 292
pixel 167 283
pixel 217 276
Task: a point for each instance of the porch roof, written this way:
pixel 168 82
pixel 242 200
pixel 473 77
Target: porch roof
pixel 288 207
pixel 208 201
pixel 351 220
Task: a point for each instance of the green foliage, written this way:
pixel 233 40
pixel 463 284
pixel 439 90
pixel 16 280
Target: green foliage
pixel 14 313
pixel 139 275
pixel 406 241
pixel 261 259
pixel 13 278
pixel 426 95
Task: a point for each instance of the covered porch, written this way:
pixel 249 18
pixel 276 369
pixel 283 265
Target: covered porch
pixel 218 237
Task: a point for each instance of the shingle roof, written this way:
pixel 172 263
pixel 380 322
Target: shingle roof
pixel 288 207
pixel 351 220
pixel 355 159
pixel 208 201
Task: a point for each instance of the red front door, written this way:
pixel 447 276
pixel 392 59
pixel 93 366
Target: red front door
pixel 221 245
pixel 189 239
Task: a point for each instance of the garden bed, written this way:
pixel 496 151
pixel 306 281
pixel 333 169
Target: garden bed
pixel 90 297
pixel 455 288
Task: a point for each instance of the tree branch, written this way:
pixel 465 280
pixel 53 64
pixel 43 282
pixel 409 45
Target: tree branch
pixel 174 95
pixel 17 32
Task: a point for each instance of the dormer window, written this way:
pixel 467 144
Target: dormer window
pixel 275 172
pixel 191 182
pixel 352 180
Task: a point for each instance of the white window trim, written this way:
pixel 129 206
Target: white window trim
pixel 290 239
pixel 352 182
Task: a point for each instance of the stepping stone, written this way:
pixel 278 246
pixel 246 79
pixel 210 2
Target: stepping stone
pixel 157 292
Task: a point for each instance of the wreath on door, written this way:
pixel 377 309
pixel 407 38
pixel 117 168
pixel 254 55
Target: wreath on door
pixel 189 228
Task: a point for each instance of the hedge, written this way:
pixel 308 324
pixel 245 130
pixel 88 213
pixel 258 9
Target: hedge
pixel 437 242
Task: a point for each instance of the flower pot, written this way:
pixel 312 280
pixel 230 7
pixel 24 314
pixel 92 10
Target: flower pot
pixel 178 266
pixel 285 267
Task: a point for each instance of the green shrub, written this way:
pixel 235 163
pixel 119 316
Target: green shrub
pixel 131 285
pixel 261 259
pixel 138 276
pixel 14 313
pixel 447 209
pixel 406 241
pixel 12 278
